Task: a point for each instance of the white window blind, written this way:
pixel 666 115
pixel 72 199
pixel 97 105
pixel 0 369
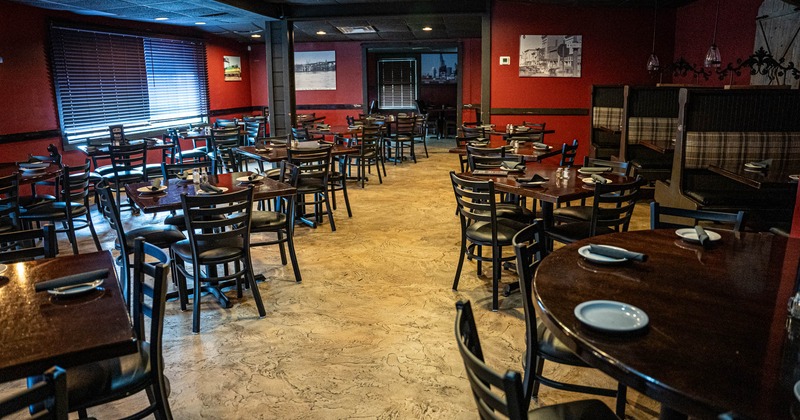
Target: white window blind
pixel 397 83
pixel 144 83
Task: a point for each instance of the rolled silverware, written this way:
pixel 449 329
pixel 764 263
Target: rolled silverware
pixel 598 179
pixel 702 236
pixel 610 252
pixel 71 280
pixel 205 186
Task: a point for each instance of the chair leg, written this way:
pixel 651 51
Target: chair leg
pixel 622 395
pixel 330 213
pixel 71 235
pixel 281 248
pixel 293 256
pixel 91 228
pixel 460 259
pixel 196 298
pixel 534 380
pixel 254 287
pixel 346 198
pixel 496 272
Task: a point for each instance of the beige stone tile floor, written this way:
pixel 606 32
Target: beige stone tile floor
pixel 369 331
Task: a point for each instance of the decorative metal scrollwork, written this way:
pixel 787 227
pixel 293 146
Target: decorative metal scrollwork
pixel 760 62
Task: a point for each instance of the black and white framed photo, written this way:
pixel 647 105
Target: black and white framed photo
pixel 550 55
pixel 315 70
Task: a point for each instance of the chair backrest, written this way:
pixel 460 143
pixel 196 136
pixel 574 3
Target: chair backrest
pixel 485 151
pixel 314 164
pixel 108 208
pixel 20 245
pixel 476 202
pixel 128 158
pixel 493 162
pixel 373 106
pixel 226 123
pixel 369 140
pixel 225 138
pixel 171 170
pixel 405 125
pixel 76 184
pixel 150 282
pixel 473 132
pixel 252 131
pixel 218 218
pixel 300 134
pixel 613 205
pixel 568 153
pixel 530 247
pixel 50 394
pixel 498 396
pixel 9 201
pixel 617 167
pixel 421 106
pixel 735 221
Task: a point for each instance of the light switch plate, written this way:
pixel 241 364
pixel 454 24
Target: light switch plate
pixel 505 60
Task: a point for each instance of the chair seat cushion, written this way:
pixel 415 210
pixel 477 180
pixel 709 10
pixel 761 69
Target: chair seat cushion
pixel 575 410
pixel 52 210
pixel 266 219
pixel 98 380
pixel 123 175
pixel 34 200
pixel 210 252
pixel 573 213
pixel 571 232
pixel 160 236
pixel 481 232
pixel 554 348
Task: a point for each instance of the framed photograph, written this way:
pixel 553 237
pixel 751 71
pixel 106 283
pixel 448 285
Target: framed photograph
pixel 233 68
pixel 550 55
pixel 439 69
pixel 315 70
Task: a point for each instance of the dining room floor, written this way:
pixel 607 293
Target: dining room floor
pixel 369 331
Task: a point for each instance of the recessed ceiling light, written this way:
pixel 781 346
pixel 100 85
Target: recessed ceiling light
pixel 199 23
pixel 162 18
pixel 255 36
pixel 322 33
pixel 427 28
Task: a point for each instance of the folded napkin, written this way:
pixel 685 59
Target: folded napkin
pixel 253 177
pixel 539 144
pixel 512 165
pixel 534 178
pixel 596 169
pixel 205 186
pixel 762 163
pixel 702 236
pixel 598 179
pixel 71 280
pixel 610 252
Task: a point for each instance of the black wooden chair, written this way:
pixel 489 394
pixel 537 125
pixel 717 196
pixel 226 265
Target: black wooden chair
pixel 9 202
pixel 53 157
pixel 281 221
pixel 501 396
pixel 612 208
pixel 222 143
pixel 161 236
pixel 402 138
pixel 369 147
pixel 20 245
pixel 226 123
pixel 128 164
pixel 314 171
pixel 171 173
pixel 72 210
pixel 568 153
pixel 582 212
pixel 49 396
pixel 481 227
pixel 733 221
pixel 218 227
pixel 109 380
pixel 530 247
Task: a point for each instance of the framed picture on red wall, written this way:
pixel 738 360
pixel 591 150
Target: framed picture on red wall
pixel 315 70
pixel 550 55
pixel 233 68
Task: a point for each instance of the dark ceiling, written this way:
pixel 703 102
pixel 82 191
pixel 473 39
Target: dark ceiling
pixel 394 20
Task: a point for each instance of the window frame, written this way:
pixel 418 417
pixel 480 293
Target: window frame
pixel 414 82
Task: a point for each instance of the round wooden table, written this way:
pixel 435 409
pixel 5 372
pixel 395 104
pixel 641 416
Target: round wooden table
pixel 717 338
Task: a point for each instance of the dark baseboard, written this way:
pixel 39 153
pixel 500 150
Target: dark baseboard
pixel 33 135
pixel 330 106
pixel 540 111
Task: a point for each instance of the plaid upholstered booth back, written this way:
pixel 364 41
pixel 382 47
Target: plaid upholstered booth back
pixel 734 148
pixel 655 130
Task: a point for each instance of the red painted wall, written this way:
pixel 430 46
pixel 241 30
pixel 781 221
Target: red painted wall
pixel 736 31
pixel 471 77
pixel 348 82
pixel 227 94
pixel 258 75
pixel 616 45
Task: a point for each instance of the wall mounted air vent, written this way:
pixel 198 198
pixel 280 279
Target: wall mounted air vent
pixel 350 30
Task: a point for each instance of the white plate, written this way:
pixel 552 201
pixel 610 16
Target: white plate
pixel 3 268
pixel 797 390
pixel 753 165
pixel 199 191
pixel 590 181
pixel 690 235
pixel 593 170
pixel 76 289
pixel 246 180
pixel 33 166
pixel 794 177
pixel 612 316
pixel 600 259
pixel 149 190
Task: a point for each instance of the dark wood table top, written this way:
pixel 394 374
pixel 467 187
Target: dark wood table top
pixel 40 331
pixel 716 339
pixel 27 177
pixel 277 153
pixel 526 150
pixel 775 175
pixel 336 130
pixel 170 199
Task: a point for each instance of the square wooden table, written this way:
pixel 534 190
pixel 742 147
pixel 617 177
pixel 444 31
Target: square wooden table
pixel 40 331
